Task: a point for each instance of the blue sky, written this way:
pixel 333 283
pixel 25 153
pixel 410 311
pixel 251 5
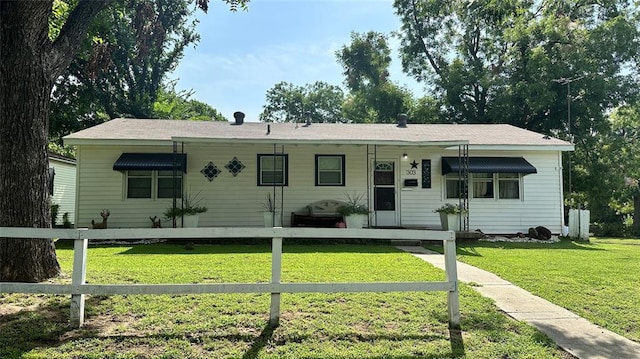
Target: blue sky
pixel 242 55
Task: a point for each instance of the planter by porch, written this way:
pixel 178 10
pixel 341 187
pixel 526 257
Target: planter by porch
pixel 355 220
pixel 450 221
pixel 190 221
pixel 270 221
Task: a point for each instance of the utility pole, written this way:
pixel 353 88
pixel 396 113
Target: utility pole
pixel 568 81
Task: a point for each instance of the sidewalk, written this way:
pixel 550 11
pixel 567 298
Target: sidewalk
pixel 572 333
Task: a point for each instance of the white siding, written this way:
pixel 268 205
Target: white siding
pixel 237 201
pixel 64 188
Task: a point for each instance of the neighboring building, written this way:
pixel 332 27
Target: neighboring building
pixel 404 172
pixel 62 171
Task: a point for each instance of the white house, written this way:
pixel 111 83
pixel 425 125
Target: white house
pixel 62 173
pixel 403 172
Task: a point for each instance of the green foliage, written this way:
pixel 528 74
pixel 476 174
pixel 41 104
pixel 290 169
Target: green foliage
pixel 496 61
pixel 190 206
pixel 576 200
pixel 136 42
pixel 178 105
pixel 57 18
pixel 319 102
pixel 450 208
pixel 269 204
pixel 373 97
pixel 55 208
pixel 354 205
pixel 66 151
pixel 66 223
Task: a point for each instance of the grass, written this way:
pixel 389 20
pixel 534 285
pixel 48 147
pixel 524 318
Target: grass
pixel 361 325
pixel 596 280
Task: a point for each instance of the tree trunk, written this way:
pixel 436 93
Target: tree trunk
pixel 25 85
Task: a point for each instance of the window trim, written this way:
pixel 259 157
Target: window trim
pixel 342 171
pixel 285 166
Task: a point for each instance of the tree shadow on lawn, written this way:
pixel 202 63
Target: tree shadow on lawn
pixel 47 327
pixel 470 248
pixel 40 325
pixel 182 248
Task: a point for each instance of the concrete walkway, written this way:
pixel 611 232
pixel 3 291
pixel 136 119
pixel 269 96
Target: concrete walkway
pixel 572 333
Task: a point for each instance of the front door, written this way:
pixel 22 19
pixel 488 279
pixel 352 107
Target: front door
pixel 384 194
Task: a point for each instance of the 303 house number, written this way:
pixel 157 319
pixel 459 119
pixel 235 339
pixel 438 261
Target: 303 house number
pixel 412 172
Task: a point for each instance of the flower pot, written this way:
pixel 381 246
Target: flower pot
pixel 190 221
pixel 450 221
pixel 270 221
pixel 355 220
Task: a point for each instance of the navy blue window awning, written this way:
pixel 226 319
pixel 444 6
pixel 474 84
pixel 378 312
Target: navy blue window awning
pixel 489 165
pixel 151 162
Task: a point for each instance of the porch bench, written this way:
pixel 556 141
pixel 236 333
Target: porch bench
pixel 322 213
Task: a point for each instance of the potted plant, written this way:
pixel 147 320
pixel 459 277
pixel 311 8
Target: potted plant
pixel 354 211
pixel 450 216
pixel 272 216
pixel 189 212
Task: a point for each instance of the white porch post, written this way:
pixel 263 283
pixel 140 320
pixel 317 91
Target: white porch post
pixel 276 268
pixel 78 278
pixel 451 270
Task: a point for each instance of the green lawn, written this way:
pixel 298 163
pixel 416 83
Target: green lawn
pixel 596 280
pixel 362 325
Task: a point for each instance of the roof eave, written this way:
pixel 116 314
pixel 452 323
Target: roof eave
pixel 519 147
pixel 115 142
pixel 320 141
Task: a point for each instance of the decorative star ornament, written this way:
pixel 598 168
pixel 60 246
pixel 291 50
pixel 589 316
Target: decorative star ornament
pixel 414 164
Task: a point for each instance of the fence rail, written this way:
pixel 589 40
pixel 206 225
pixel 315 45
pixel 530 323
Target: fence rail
pixel 78 288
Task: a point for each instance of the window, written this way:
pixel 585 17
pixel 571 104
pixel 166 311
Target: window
pixel 142 184
pixel 166 182
pixel 330 170
pixel 452 184
pixel 273 170
pixel 384 174
pixel 139 184
pixel 486 185
pixel 482 185
pixel 508 185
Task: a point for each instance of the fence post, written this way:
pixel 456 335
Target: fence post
pixel 79 275
pixel 451 270
pixel 276 268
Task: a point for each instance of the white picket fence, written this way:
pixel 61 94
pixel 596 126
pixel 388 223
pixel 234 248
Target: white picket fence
pixel 78 288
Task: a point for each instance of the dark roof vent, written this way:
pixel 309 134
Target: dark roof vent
pixel 239 116
pixel 307 114
pixel 402 120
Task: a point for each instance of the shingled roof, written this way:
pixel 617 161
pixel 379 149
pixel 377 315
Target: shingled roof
pixel 121 131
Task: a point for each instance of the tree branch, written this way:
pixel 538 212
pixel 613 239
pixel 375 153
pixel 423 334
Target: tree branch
pixel 420 38
pixel 68 42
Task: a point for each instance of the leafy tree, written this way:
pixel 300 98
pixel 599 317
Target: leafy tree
pixel 372 98
pixel 496 61
pixel 174 105
pixel 319 102
pixel 31 62
pixel 133 46
pixel 621 156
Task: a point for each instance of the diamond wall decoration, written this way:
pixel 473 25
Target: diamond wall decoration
pixel 235 166
pixel 210 171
